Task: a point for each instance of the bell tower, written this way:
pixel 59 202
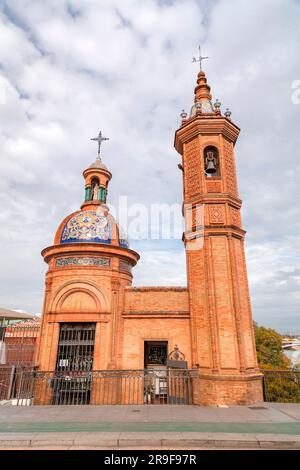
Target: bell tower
pixel 222 339
pixel 96 177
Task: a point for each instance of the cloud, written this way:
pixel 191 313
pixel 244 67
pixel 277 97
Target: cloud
pixel 69 68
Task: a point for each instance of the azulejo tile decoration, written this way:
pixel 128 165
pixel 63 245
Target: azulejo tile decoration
pixel 86 226
pixel 124 242
pixel 78 261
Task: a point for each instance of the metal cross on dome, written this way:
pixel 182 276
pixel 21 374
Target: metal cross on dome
pixel 99 139
pixel 200 58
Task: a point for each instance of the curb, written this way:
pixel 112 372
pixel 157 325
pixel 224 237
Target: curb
pixel 229 442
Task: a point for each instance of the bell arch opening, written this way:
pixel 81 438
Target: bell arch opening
pixel 211 162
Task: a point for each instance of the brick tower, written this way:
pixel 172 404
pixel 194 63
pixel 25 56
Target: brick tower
pixel 222 338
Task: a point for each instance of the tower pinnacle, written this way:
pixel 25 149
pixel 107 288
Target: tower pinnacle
pixel 96 177
pixel 202 90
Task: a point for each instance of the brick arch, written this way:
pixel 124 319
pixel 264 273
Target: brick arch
pixel 210 143
pixel 79 296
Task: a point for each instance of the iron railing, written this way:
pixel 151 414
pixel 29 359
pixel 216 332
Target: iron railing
pixel 12 382
pixel 7 374
pixel 282 386
pixel 109 387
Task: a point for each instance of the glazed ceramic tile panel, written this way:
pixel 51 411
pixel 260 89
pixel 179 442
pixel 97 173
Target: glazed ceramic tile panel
pixel 86 226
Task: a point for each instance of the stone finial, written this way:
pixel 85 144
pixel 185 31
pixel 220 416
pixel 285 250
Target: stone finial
pixel 227 114
pixel 217 106
pixel 183 115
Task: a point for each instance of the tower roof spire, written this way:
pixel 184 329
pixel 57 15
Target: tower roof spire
pixel 202 89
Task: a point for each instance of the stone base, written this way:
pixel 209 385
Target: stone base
pixel 230 389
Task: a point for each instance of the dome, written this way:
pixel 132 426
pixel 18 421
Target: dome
pixel 98 164
pixel 91 226
pixel 204 105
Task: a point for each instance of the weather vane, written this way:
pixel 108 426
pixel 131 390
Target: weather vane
pixel 200 58
pixel 99 139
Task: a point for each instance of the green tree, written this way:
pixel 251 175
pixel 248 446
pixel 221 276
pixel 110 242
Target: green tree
pixel 282 386
pixel 270 354
pixel 281 383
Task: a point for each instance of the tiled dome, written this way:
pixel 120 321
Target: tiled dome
pixel 89 226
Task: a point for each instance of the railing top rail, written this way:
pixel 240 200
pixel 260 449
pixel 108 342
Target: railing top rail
pixel 285 371
pixel 179 371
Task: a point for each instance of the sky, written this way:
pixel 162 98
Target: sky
pixel 71 68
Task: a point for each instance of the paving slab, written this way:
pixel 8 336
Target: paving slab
pixel 288 409
pixel 135 413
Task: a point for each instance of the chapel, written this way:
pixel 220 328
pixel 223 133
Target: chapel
pixel 94 320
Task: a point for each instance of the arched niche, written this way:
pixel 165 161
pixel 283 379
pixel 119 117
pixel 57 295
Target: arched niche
pixel 95 189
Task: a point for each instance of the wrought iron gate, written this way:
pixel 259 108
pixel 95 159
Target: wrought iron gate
pixel 76 347
pixel 72 382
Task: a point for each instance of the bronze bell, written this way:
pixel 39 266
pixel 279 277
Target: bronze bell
pixel 210 163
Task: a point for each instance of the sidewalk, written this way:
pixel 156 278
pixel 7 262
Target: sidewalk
pixel 264 426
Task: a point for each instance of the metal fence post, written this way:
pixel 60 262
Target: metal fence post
pixel 265 388
pixel 20 386
pixel 11 381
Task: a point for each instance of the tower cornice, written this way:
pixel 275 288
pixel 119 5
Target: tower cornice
pixel 215 198
pixel 93 170
pixel 207 125
pixel 90 249
pixel 213 231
